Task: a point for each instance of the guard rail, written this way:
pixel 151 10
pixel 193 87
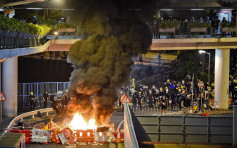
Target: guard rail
pixel 130 139
pixel 32 113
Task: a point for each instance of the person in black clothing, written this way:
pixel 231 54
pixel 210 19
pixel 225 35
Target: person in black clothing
pixel 179 99
pixel 173 100
pixel 150 99
pixel 223 24
pixel 159 58
pixel 188 102
pixel 140 59
pixel 213 27
pixel 139 100
pixel 156 98
pixel 45 98
pixel 163 105
pixel 217 21
pixel 32 99
pixel 185 26
pixel 167 96
pixel 34 21
pixel 134 100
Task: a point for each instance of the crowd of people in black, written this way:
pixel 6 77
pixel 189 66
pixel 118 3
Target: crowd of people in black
pixel 173 96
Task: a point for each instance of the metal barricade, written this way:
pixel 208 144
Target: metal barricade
pixel 130 139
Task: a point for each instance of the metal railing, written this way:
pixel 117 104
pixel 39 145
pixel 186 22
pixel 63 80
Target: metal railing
pixel 24 115
pixel 187 129
pixel 55 90
pixel 130 139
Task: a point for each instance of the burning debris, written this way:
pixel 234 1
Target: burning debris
pixel 112 33
pixel 76 132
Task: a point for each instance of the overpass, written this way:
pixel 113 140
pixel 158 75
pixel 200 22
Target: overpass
pixel 222 48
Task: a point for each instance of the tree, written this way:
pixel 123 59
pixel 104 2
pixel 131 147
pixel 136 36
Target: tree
pixel 187 63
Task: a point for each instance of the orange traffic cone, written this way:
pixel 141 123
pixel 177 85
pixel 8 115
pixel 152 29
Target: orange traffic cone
pixel 103 138
pixel 119 137
pixel 57 139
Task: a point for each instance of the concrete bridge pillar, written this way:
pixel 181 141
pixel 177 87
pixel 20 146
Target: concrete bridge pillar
pixel 9 86
pixel 222 61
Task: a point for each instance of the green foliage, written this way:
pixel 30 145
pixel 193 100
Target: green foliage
pixel 228 24
pixel 169 24
pixel 64 25
pixel 198 24
pixel 16 25
pixel 187 63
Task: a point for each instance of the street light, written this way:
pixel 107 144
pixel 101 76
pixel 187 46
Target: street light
pixel 204 52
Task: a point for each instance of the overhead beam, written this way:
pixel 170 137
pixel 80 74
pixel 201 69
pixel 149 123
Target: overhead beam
pixel 157 44
pixel 194 44
pixel 21 3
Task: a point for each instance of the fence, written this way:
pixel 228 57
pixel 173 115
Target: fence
pixel 55 90
pixel 130 139
pixel 27 114
pixel 187 129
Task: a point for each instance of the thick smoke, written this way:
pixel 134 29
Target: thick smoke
pixel 113 31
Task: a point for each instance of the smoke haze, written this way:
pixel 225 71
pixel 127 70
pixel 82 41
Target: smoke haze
pixel 113 31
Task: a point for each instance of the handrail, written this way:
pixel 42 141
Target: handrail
pixel 130 139
pixel 31 113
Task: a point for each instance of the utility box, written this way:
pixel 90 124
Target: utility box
pixel 12 140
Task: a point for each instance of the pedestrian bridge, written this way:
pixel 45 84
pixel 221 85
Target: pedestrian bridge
pixel 157 44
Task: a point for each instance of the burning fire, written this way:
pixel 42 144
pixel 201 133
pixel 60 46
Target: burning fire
pixel 79 123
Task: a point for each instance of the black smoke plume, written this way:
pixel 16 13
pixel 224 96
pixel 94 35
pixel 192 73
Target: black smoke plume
pixel 113 31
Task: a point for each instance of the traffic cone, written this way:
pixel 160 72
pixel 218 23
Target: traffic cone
pixel 118 136
pixel 57 139
pixel 103 138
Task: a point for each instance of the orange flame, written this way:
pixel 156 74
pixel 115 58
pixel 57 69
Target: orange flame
pixel 79 123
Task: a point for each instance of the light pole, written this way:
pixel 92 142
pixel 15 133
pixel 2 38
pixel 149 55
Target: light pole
pixel 209 67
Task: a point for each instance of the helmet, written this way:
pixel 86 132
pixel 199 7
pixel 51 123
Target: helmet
pixel 161 88
pixel 212 84
pixel 235 80
pixel 168 80
pixel 179 90
pixel 182 86
pixel 66 90
pixel 31 93
pixel 166 87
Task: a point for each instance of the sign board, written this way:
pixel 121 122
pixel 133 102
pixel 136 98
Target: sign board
pixel 2 97
pixel 125 99
pixel 9 12
pixel 200 84
pixel 195 106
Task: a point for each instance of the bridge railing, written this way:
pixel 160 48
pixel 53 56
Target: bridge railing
pixel 130 139
pixel 187 129
pixel 28 114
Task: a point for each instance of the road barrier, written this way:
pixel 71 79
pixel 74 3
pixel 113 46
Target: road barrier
pixel 24 115
pixel 186 129
pixel 130 139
